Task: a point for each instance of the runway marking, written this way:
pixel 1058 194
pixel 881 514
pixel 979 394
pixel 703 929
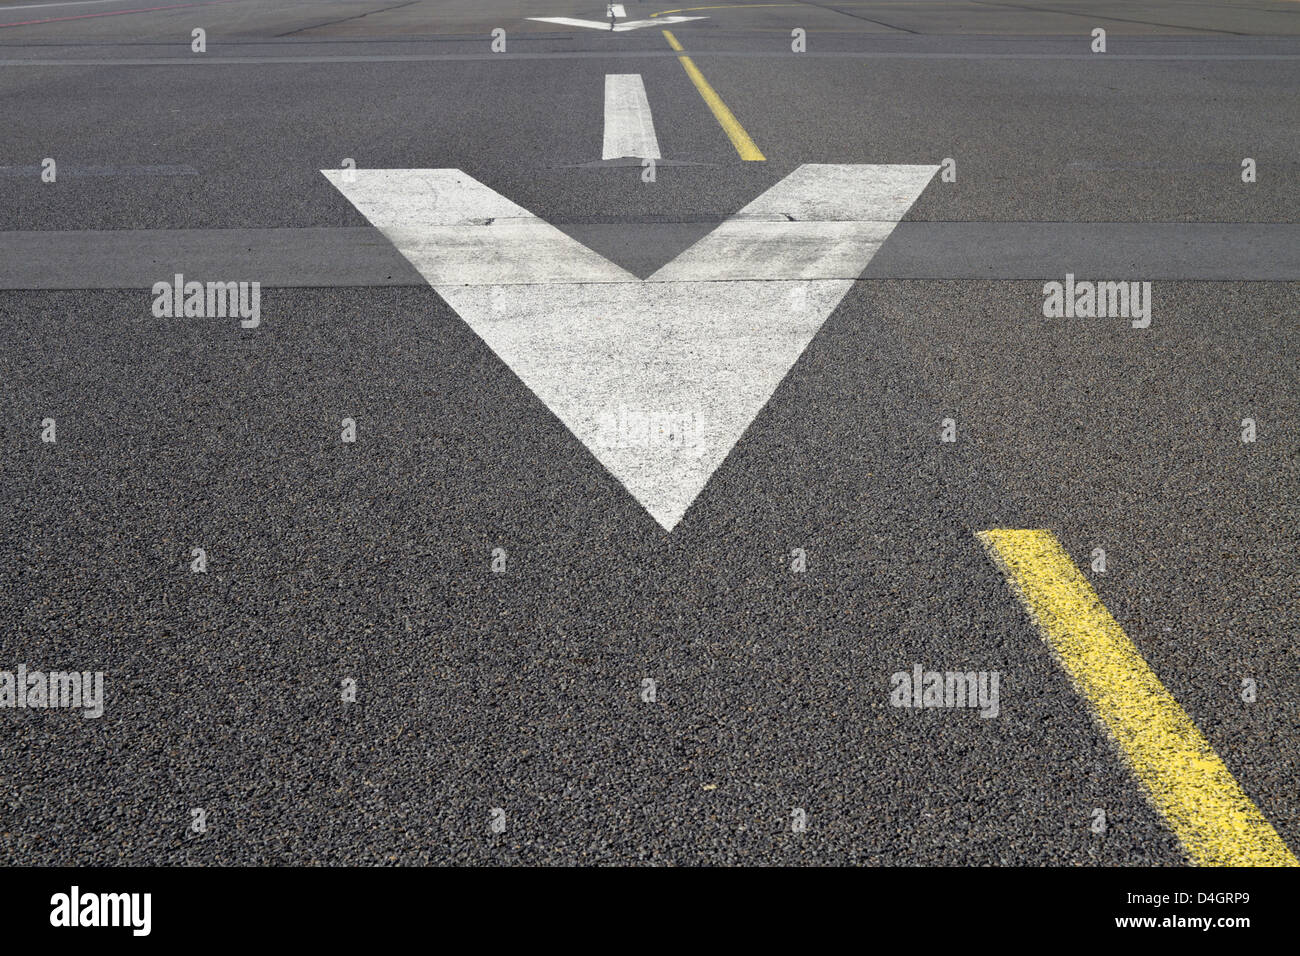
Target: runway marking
pixel 623 27
pixel 113 13
pixel 690 355
pixel 616 10
pixel 629 127
pixel 745 146
pixel 276 60
pixel 64 3
pixel 1183 776
pixel 732 6
pixel 746 6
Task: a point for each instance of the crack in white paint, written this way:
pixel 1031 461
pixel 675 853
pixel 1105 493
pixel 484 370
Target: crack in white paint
pixel 692 353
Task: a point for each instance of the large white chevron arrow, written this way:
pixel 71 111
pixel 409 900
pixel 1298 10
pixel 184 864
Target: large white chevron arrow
pixel 617 27
pixel 658 377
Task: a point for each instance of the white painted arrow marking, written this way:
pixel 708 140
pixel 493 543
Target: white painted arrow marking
pixel 629 127
pixel 658 378
pixel 618 27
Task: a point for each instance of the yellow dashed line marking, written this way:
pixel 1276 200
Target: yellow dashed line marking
pixel 1185 779
pixel 745 146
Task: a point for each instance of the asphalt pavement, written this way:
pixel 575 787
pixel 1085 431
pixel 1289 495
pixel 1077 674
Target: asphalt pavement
pixel 477 569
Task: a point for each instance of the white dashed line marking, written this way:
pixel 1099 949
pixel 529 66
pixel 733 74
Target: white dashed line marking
pixel 629 127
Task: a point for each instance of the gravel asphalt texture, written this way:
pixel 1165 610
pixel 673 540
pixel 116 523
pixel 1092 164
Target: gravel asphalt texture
pixel 523 690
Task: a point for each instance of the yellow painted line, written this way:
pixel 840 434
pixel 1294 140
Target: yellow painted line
pixel 1185 779
pixel 748 6
pixel 728 6
pixel 745 146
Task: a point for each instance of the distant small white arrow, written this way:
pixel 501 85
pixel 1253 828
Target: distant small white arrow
pixel 617 27
pixel 658 378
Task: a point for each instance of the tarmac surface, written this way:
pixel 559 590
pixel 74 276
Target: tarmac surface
pixel 524 691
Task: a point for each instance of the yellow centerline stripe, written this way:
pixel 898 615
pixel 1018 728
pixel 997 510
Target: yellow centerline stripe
pixel 1185 779
pixel 729 6
pixel 745 146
